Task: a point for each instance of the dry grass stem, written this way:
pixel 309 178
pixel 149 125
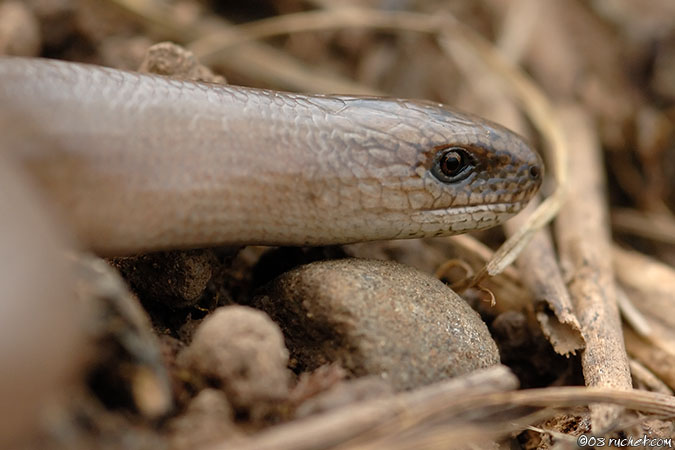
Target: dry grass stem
pixel 631 314
pixel 649 381
pixel 657 358
pixel 338 426
pixel 659 227
pixel 649 291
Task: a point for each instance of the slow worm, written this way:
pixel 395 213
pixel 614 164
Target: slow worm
pixel 137 163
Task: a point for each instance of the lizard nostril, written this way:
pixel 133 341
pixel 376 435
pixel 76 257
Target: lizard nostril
pixel 535 172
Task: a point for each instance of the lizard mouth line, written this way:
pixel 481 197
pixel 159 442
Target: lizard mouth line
pixel 502 207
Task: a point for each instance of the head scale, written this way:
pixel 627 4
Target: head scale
pixel 466 173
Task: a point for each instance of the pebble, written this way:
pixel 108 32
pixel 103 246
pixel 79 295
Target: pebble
pixel 377 318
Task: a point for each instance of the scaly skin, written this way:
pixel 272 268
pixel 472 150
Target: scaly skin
pixel 139 162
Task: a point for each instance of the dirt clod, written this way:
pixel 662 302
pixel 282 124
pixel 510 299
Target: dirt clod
pixel 172 60
pixel 241 351
pixel 176 279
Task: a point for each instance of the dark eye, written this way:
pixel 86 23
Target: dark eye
pixel 452 164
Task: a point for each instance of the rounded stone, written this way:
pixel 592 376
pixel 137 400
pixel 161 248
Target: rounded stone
pixel 377 318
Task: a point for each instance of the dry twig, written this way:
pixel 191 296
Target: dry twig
pixel 540 272
pixel 585 244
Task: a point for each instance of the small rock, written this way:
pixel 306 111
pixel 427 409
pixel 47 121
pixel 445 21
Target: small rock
pixel 241 351
pixel 378 318
pixel 208 419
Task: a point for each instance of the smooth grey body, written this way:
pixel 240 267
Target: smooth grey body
pixel 140 162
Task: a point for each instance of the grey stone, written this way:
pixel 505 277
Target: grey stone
pixel 377 318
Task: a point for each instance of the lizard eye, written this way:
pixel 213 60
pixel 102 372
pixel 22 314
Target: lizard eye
pixel 452 164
